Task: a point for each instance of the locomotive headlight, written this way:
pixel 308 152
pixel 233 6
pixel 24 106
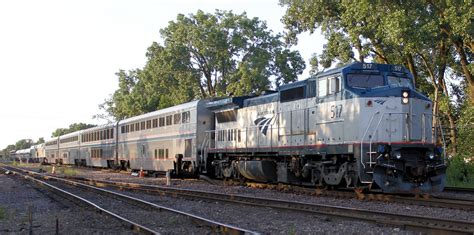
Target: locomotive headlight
pixel 431 156
pixel 398 155
pixel 405 95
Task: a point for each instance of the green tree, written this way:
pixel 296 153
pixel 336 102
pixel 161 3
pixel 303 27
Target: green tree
pixel 23 144
pixel 6 151
pixel 72 128
pixel 421 35
pixel 40 141
pixel 206 55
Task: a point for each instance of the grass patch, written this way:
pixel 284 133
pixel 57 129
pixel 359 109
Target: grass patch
pixel 3 213
pixel 70 172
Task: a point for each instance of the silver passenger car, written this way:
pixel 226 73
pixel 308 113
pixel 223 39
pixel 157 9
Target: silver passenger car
pixel 165 139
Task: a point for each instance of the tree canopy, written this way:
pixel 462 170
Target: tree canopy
pixel 206 55
pixel 72 128
pixel 434 39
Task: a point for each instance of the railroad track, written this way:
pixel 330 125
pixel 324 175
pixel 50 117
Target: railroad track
pixel 123 204
pixel 419 200
pixel 459 190
pixel 417 223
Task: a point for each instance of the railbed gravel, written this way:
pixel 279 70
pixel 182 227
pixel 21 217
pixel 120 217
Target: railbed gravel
pixel 271 193
pixel 18 198
pixel 159 220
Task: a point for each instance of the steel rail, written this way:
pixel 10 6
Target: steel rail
pixel 423 223
pixel 214 225
pixel 419 200
pixel 459 189
pixel 127 223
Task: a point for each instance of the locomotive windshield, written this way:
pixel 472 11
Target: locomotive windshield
pixel 399 82
pixel 365 80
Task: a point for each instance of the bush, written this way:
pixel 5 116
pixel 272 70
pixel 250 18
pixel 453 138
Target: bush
pixel 460 173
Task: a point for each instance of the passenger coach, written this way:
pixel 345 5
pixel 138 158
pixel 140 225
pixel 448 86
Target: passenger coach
pixel 165 139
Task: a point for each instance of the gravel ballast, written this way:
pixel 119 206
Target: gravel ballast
pixel 271 220
pixel 18 198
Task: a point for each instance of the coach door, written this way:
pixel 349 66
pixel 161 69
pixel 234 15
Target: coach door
pixel 188 147
pixel 142 156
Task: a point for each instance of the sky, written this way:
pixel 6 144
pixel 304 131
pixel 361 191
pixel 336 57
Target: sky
pixel 58 59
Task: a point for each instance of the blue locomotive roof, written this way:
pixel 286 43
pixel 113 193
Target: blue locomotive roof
pixel 366 67
pixel 226 103
pixel 293 85
pixel 264 99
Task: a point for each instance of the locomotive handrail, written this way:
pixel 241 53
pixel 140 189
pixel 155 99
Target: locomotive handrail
pixel 363 137
pixel 376 129
pixel 408 136
pixel 444 141
pixel 373 132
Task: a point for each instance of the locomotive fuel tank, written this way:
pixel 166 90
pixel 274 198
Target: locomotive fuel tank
pixel 263 171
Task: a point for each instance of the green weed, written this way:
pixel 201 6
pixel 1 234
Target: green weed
pixel 3 213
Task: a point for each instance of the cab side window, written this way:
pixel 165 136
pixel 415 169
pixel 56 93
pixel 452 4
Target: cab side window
pixel 329 86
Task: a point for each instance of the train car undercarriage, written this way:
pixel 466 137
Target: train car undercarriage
pixel 396 169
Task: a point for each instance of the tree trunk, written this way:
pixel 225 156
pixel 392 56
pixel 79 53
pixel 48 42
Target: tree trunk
pixel 452 133
pixel 459 45
pixel 411 67
pixel 358 46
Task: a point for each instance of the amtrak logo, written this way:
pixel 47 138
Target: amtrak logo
pixel 380 101
pixel 263 123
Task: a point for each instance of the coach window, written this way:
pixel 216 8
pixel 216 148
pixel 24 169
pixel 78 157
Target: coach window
pixel 186 117
pixel 142 124
pixel 111 133
pixel 169 118
pixel 162 121
pixel 166 154
pixel 155 123
pixel 132 128
pixel 161 153
pixel 148 124
pixel 122 129
pixel 177 118
pixel 156 153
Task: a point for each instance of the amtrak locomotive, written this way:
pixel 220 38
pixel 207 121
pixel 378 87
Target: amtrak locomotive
pixel 360 125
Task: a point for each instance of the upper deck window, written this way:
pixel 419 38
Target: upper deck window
pixel 365 80
pixel 399 82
